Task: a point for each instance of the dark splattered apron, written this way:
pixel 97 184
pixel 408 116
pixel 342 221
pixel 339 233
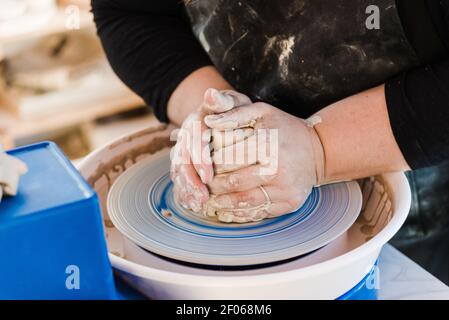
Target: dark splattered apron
pixel 301 55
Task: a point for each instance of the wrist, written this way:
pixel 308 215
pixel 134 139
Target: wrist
pixel 357 138
pixel 317 150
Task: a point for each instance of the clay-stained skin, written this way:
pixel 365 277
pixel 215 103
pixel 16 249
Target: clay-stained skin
pixel 301 54
pixel 237 196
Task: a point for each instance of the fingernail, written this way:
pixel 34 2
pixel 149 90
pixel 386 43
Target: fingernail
pixel 226 217
pixel 214 117
pixel 222 99
pixel 207 136
pixel 195 207
pixel 228 124
pixel 210 210
pixel 202 174
pixel 209 96
pixel 217 121
pixel 240 220
pixel 184 205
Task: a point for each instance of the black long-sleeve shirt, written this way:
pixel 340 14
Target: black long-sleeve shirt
pixel 152 48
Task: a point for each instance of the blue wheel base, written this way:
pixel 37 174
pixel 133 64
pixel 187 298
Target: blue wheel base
pixel 365 289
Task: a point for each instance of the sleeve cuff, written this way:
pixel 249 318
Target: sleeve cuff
pixel 161 96
pixel 410 147
pixel 419 114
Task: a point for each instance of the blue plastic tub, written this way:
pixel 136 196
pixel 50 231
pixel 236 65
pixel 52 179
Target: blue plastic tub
pixel 52 242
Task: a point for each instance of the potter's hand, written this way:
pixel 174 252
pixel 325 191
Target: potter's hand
pixel 282 166
pixel 191 167
pixel 10 171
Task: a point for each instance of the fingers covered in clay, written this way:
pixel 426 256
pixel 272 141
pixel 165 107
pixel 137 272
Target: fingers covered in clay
pixel 252 205
pixel 251 150
pixel 192 167
pixel 222 101
pixel 214 102
pixel 221 139
pixel 240 180
pixel 199 148
pixel 189 188
pixel 201 136
pixel 283 155
pixel 252 145
pixel 272 211
pixel 237 118
pixel 191 193
pixel 238 201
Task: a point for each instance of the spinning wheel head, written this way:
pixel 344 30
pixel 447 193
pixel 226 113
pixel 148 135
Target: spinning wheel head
pixel 141 205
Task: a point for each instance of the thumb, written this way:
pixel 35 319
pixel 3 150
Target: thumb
pixel 237 118
pixel 221 101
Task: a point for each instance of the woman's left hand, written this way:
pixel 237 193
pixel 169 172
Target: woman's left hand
pixel 269 186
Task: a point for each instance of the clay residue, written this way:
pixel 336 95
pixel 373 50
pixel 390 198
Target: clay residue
pixel 377 207
pixel 138 134
pixel 166 213
pixel 286 46
pixel 118 164
pixel 108 224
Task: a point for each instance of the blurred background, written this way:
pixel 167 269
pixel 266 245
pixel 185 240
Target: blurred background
pixel 55 82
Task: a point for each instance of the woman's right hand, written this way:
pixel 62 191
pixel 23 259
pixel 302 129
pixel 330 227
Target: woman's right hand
pixel 191 163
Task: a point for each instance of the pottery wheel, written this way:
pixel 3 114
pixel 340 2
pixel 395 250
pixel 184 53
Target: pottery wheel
pixel 142 207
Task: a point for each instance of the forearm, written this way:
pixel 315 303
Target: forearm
pixel 189 94
pixel 357 138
